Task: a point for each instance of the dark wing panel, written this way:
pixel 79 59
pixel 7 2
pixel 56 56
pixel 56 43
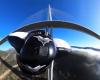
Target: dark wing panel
pixel 76 66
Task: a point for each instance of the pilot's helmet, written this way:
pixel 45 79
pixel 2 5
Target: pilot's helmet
pixel 37 52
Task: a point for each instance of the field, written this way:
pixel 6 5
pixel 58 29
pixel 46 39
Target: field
pixel 11 70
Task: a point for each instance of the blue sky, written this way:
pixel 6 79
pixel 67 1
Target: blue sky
pixel 14 13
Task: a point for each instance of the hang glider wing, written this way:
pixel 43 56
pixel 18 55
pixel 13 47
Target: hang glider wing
pixel 55 24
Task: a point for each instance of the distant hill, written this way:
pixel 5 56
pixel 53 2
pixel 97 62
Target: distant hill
pixel 10 57
pixel 95 49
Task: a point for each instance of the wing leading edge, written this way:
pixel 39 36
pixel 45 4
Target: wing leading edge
pixel 54 24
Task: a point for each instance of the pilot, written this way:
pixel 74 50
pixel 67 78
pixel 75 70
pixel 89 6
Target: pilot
pixel 36 50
